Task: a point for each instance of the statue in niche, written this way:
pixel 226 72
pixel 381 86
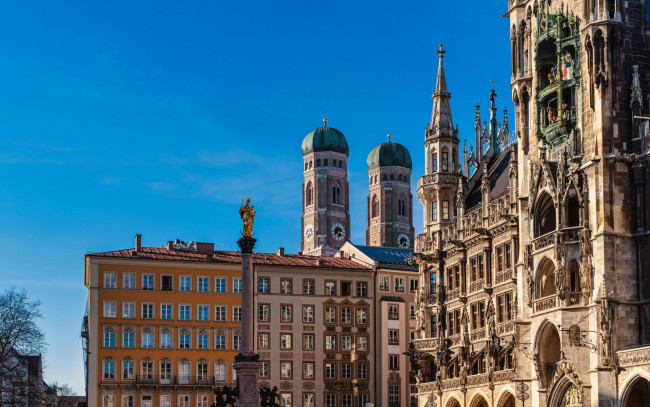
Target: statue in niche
pixel 567 65
pixel 551 115
pixel 552 76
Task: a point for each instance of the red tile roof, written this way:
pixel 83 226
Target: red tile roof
pixel 298 260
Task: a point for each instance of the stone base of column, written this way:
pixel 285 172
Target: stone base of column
pixel 247 374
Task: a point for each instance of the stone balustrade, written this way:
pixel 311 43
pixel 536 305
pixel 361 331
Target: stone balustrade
pixel 544 241
pixel 503 276
pixel 426 344
pixel 545 303
pixel 476 285
pixel 634 356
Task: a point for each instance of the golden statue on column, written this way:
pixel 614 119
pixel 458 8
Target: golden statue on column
pixel 247 214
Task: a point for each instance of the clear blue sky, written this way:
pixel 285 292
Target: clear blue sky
pixel 128 117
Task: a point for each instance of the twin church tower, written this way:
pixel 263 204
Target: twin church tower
pixel 326 194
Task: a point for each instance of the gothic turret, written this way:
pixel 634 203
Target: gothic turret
pixel 437 188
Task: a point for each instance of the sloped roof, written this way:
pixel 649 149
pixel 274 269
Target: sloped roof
pixel 388 256
pixel 297 260
pixel 497 168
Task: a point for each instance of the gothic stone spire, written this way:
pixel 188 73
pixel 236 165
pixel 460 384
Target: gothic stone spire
pixel 441 123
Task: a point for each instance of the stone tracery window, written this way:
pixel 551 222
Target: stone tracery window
pixel 402 207
pixel 336 194
pixel 309 194
pixel 374 207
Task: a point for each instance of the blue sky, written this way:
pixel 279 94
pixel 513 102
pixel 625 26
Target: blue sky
pixel 125 117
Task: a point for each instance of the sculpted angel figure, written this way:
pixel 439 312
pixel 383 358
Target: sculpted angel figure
pixel 247 214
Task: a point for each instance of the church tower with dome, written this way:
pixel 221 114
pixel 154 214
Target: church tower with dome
pixel 390 202
pixel 325 192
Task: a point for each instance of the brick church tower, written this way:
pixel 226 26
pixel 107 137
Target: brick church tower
pixel 325 192
pixel 390 202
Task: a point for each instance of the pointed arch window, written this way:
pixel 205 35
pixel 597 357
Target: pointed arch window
pixel 374 207
pixel 402 207
pixel 336 194
pixel 309 194
pixel 445 161
pixel 572 212
pixel 545 215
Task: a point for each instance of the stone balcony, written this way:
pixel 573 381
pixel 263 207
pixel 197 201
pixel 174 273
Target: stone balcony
pixel 427 344
pixel 438 178
pixel 546 303
pixel 634 356
pixel 477 380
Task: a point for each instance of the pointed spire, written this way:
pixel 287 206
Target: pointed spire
pixel 477 129
pixel 441 122
pixel 494 143
pixel 465 160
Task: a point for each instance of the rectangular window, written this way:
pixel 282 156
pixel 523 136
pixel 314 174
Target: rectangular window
pixel 128 370
pixel 434 161
pixel 166 400
pixel 128 339
pixel 399 284
pixel 202 341
pixel 128 310
pixel 286 398
pixel 110 309
pixel 264 370
pixel 220 342
pixel 109 370
pixel 481 314
pixel 308 370
pixel 221 372
pixel 127 400
pixel 147 340
pixel 203 284
pixel 110 279
pixel 263 341
pixel 330 315
pixel 330 288
pixel 362 371
pixel 412 312
pixel 202 400
pixel 362 289
pixel 330 400
pixel 166 311
pixel 346 288
pixel 286 286
pixel 346 342
pixel 330 342
pixel 286 313
pixel 165 341
pixel 147 282
pixel 362 316
pixel 473 268
pixel 384 283
pixel 393 362
pixel 184 401
pixel 308 313
pixel 363 400
pixel 330 370
pixel 474 308
pixel 185 283
pixel 414 285
pixel 308 400
pixel 147 311
pixel 220 313
pixel 286 370
pixel 128 281
pixel 236 285
pixel 308 342
pixel 308 287
pixel 508 306
pixel 184 341
pixel 202 312
pixel 508 254
pixel 393 311
pixel 393 337
pixel 263 313
pixel 445 210
pixel 434 210
pixel 433 279
pixel 415 335
pixel 264 285
pixel 184 312
pixel 346 315
pixel 166 283
pixel 393 394
pixel 236 341
pixel 481 268
pixel 500 262
pixel 445 161
pixel 346 371
pixel 286 341
pixel 236 314
pixel 220 284
pixel 362 343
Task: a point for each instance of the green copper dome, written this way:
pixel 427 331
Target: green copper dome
pixel 325 139
pixel 389 154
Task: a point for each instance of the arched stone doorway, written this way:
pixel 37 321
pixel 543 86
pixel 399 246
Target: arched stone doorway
pixel 549 351
pixel 507 400
pixel 453 403
pixel 638 394
pixel 479 401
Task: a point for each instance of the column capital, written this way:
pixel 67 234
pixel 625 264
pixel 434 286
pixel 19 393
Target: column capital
pixel 247 244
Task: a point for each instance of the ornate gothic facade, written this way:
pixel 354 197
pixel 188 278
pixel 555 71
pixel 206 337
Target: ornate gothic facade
pixel 534 266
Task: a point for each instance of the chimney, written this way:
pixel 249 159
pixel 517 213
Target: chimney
pixel 170 245
pixel 138 242
pixel 281 251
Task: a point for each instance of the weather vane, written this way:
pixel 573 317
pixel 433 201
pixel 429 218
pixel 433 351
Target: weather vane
pixel 389 136
pixel 440 51
pixel 493 80
pixel 325 121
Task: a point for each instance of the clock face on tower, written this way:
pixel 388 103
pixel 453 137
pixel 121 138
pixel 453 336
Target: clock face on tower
pixel 403 240
pixel 309 232
pixel 338 231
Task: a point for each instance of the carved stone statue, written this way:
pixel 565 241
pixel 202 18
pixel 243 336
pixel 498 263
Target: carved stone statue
pixel 489 316
pixel 247 214
pixel 605 330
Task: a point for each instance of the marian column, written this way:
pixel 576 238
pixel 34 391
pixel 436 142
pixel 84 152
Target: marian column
pixel 247 363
